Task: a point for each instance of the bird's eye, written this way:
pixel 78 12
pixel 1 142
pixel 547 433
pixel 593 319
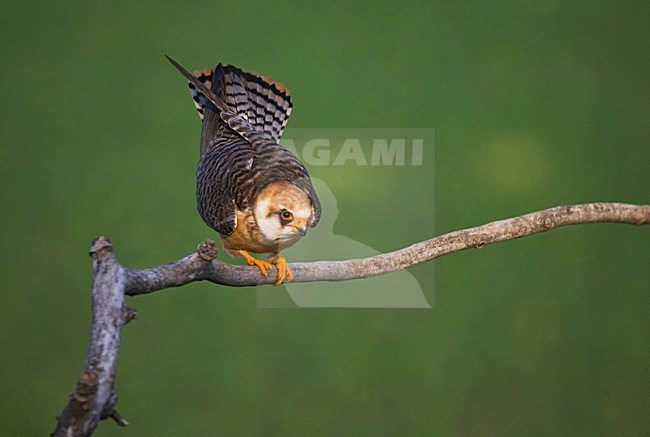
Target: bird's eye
pixel 286 216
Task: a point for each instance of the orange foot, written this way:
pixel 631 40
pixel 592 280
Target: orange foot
pixel 284 273
pixel 252 261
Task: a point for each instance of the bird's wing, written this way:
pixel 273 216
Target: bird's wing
pixel 223 183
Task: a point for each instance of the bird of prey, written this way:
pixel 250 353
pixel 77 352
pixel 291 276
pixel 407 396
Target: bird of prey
pixel 249 188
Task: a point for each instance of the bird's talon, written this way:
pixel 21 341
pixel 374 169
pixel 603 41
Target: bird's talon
pixel 252 261
pixel 289 275
pixel 284 273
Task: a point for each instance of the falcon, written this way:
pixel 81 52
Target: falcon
pixel 254 192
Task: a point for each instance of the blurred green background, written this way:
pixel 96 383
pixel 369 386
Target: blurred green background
pixel 535 104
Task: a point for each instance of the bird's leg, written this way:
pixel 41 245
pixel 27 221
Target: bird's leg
pixel 284 273
pixel 252 261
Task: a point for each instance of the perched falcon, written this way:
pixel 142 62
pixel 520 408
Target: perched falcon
pixel 249 188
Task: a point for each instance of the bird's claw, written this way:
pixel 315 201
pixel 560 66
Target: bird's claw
pixel 284 273
pixel 259 263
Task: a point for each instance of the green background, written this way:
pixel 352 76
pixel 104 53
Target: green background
pixel 535 104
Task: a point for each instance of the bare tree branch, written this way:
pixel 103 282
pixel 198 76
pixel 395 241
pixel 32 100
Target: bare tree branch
pixel 201 265
pixel 94 397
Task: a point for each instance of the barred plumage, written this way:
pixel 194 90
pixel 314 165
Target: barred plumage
pixel 231 175
pixel 257 100
pixel 247 183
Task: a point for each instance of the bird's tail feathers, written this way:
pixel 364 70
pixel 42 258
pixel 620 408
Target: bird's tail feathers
pixel 260 101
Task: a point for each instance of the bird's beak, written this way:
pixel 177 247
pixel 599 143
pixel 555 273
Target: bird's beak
pixel 301 226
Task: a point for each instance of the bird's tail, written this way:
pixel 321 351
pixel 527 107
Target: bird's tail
pixel 264 104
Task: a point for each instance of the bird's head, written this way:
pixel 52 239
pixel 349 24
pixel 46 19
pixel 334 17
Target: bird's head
pixel 283 213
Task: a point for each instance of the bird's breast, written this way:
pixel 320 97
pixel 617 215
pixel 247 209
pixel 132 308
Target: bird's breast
pixel 247 236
